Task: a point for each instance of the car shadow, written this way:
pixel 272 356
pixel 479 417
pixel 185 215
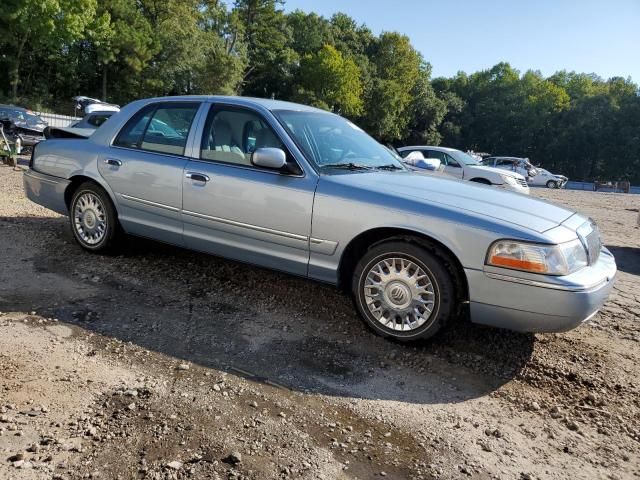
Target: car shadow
pixel 627 259
pixel 263 325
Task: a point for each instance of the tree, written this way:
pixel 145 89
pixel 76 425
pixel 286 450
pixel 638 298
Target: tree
pixel 330 81
pixel 41 24
pixel 121 35
pixel 396 69
pixel 271 60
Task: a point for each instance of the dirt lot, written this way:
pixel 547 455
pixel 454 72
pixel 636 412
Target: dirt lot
pixel 161 363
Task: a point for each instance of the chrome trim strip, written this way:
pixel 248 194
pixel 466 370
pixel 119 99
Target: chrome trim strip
pixel 533 283
pixel 324 247
pixel 293 236
pixel 149 202
pixel 41 177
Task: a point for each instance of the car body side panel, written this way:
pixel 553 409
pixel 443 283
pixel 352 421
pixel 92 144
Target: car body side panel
pixel 341 212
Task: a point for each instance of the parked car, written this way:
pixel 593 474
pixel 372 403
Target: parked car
pixel 304 191
pixel 21 123
pixel 85 105
pixel 464 167
pixel 547 179
pixel 514 164
pixel 94 119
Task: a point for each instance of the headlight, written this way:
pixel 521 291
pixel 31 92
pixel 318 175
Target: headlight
pixel 560 259
pixel 509 179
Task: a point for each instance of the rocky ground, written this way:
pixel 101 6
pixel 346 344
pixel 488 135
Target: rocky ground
pixel 160 363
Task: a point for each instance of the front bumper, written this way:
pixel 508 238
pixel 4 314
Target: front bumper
pixel 46 190
pixel 514 188
pixel 517 303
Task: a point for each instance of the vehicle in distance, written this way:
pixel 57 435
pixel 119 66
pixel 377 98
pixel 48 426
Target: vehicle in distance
pixel 463 166
pixel 22 123
pixel 547 179
pixel 93 120
pixel 304 191
pixel 513 164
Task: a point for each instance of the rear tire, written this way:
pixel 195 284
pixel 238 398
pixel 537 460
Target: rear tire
pixel 93 218
pixel 552 184
pixel 403 291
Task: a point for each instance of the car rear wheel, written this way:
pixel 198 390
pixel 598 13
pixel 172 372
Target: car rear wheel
pixel 93 218
pixel 403 291
pixel 552 184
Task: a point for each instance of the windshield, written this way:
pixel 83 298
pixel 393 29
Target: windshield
pixel 331 141
pixel 463 157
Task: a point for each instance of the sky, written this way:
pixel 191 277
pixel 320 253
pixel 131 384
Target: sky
pixel 589 36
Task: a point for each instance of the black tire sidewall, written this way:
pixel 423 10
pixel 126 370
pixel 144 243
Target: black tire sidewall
pixel 433 267
pixel 107 241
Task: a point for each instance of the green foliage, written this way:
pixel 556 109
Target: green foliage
pixel 574 123
pixel 328 80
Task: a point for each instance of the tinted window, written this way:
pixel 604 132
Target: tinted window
pixel 505 162
pixel 232 135
pixel 97 120
pixel 452 162
pixel 160 128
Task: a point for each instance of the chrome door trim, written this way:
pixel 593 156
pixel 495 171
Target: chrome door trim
pixel 324 247
pixel 256 228
pixel 149 202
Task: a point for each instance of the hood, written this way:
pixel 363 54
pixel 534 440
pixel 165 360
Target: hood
pixel 34 127
pixel 498 171
pixel 492 202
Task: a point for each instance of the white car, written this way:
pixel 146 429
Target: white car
pixel 460 165
pixel 547 179
pixel 515 164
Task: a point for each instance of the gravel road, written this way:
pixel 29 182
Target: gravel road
pixel 159 363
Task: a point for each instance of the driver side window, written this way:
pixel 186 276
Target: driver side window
pixel 231 135
pixel 451 162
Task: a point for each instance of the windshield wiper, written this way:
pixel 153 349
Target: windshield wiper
pixel 389 166
pixel 347 166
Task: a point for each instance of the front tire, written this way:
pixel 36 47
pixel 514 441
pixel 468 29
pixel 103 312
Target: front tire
pixel 93 218
pixel 403 291
pixel 552 184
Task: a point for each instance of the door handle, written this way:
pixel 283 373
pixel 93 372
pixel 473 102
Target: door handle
pixel 113 162
pixel 198 177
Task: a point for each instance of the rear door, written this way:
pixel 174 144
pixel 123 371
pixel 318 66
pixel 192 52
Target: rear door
pixel 144 168
pixel 237 210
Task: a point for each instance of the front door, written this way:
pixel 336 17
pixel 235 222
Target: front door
pixel 451 166
pixel 144 168
pixel 234 209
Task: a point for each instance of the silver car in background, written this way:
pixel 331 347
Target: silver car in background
pixel 461 165
pixel 300 190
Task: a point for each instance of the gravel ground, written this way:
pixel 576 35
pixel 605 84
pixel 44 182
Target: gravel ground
pixel 161 363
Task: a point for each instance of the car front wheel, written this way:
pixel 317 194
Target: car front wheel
pixel 403 291
pixel 93 218
pixel 552 184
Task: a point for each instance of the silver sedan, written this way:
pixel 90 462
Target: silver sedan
pixel 300 190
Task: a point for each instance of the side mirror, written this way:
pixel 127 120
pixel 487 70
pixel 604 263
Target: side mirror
pixel 273 158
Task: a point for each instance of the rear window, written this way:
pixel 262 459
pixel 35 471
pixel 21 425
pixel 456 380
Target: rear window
pixel 162 128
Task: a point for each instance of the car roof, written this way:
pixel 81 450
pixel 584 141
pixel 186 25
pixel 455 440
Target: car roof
pixel 269 104
pixel 438 149
pixel 13 107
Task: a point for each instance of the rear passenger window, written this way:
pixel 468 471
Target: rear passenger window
pixel 162 128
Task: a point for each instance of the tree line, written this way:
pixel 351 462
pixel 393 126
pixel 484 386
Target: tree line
pixel 573 123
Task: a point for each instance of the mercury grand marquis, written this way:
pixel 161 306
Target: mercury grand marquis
pixel 304 191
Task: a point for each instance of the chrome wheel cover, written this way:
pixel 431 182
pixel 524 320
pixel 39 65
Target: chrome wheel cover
pixel 89 218
pixel 399 294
